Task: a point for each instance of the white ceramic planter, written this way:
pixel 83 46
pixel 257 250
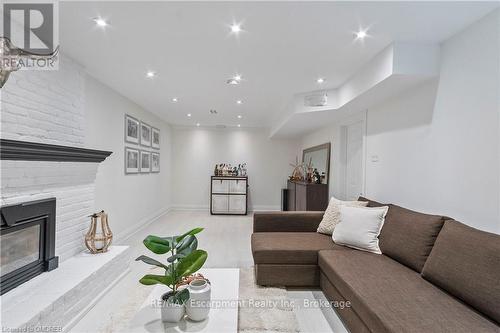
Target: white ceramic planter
pixel 171 312
pixel 198 304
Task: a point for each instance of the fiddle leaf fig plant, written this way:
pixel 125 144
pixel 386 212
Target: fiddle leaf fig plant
pixel 184 259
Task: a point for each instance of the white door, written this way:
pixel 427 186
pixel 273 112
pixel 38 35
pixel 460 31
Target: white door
pixel 354 160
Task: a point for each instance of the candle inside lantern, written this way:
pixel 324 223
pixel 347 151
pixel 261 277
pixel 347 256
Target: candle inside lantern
pixel 99 243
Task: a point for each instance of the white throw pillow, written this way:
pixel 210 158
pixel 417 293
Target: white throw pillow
pixel 332 214
pixel 359 227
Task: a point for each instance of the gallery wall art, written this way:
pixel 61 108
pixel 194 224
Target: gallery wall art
pixel 145 161
pixel 131 129
pixel 155 162
pixel 145 135
pixel 142 145
pixel 155 140
pixel 131 160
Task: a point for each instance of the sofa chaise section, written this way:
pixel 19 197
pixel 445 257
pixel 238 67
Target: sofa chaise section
pixel 285 248
pixel 389 297
pixel 435 274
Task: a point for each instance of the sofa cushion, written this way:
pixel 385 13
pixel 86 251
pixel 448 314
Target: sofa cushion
pixel 466 262
pixel 390 297
pixel 289 247
pixel 408 236
pixel 291 221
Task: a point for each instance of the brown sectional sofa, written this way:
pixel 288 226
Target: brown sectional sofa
pixel 435 274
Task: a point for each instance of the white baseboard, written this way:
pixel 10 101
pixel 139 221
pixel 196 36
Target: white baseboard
pixel 190 207
pixel 265 208
pixel 141 224
pixel 256 208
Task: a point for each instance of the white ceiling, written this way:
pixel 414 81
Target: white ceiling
pixel 284 47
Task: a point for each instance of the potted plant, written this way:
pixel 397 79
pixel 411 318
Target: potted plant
pixel 184 259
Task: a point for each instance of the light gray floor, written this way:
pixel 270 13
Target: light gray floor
pixel 226 239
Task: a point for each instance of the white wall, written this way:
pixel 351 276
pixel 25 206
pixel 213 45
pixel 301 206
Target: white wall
pixel 438 147
pixel 130 200
pixel 438 144
pixel 197 150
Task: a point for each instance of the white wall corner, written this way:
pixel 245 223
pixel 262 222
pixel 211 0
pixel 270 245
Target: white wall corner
pixel 378 69
pixel 416 59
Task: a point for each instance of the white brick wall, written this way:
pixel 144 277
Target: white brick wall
pixel 71 183
pixel 45 106
pixel 48 107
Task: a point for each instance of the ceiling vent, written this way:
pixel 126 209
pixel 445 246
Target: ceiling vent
pixel 316 99
pixel 220 126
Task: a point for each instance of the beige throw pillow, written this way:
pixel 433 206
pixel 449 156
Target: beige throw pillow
pixel 359 227
pixel 332 214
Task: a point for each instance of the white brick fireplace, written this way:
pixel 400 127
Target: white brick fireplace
pixel 71 183
pixel 47 108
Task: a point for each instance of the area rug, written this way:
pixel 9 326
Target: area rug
pixel 261 309
pixel 264 309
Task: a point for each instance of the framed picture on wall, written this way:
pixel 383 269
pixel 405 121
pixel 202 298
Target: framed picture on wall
pixel 131 129
pixel 155 162
pixel 155 138
pixel 145 161
pixel 131 160
pixel 145 135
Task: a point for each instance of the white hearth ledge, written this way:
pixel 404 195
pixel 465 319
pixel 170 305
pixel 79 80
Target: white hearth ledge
pixel 61 297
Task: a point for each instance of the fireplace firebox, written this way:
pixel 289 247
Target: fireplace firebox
pixel 27 240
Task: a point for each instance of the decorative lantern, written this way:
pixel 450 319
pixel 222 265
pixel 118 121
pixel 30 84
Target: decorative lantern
pixel 98 241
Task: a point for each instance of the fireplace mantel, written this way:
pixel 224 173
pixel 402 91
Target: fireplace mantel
pixel 33 151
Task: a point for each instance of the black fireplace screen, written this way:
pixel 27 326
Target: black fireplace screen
pixel 27 241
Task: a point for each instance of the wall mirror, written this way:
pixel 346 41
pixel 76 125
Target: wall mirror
pixel 319 156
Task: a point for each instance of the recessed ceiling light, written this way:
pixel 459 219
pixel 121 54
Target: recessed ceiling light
pixel 175 100
pixel 239 101
pixel 234 80
pixel 320 80
pixel 361 34
pixel 100 22
pixel 150 74
pixel 198 124
pixel 240 116
pixel 239 125
pixel 189 115
pixel 235 28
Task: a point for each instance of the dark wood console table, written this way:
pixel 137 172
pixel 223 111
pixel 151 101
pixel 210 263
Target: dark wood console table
pixel 304 196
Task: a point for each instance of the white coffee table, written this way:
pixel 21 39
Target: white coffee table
pixel 225 288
